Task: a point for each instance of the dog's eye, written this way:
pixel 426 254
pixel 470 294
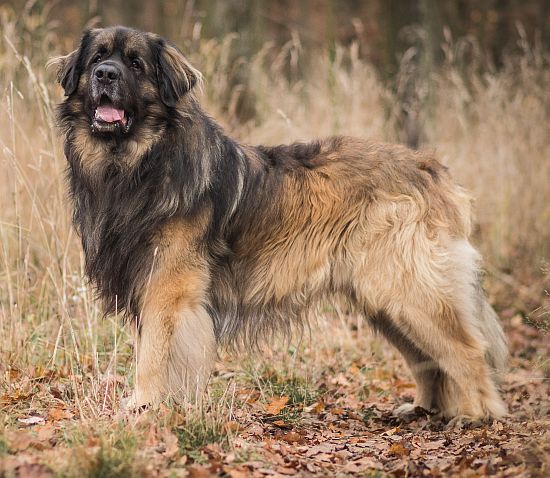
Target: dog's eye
pixel 96 58
pixel 136 64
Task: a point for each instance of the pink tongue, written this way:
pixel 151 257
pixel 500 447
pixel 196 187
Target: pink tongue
pixel 109 114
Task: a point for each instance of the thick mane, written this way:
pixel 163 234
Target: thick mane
pixel 119 216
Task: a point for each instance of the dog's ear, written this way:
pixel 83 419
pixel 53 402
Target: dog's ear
pixel 68 68
pixel 66 72
pixel 175 75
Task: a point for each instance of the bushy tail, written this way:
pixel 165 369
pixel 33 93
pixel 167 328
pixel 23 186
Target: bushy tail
pixel 497 353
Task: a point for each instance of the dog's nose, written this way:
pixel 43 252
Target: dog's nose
pixel 106 73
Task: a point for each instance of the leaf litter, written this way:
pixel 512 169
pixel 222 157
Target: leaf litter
pixel 344 428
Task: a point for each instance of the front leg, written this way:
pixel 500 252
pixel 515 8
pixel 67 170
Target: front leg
pixel 154 336
pixel 191 355
pixel 176 346
pixel 175 356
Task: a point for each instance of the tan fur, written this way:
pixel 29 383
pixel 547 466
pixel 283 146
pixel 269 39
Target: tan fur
pixel 93 153
pixel 402 252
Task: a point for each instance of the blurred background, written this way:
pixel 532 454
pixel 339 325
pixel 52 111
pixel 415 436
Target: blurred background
pixel 405 41
pixel 467 79
pixel 382 29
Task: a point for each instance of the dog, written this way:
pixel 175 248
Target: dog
pixel 203 242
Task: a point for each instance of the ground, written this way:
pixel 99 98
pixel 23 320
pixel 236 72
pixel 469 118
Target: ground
pixel 321 408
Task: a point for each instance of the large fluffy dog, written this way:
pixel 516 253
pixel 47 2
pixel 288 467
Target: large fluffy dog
pixel 202 241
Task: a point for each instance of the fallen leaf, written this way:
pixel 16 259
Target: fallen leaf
pixel 277 405
pixel 433 445
pixel 392 431
pixel 321 448
pixel 285 470
pixel 316 407
pixel 397 449
pixel 198 471
pixel 238 473
pixel 319 408
pixel 56 414
pixel 292 437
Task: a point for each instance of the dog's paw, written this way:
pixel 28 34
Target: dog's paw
pixel 460 422
pixel 127 404
pixel 404 410
pixel 410 410
pixel 132 404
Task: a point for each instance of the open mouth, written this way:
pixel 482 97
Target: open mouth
pixel 108 118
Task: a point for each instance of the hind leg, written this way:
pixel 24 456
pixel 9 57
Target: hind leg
pixel 424 369
pixel 429 295
pixel 457 380
pixel 448 363
pixel 440 315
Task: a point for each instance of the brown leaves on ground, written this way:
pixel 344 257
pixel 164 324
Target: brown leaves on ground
pixel 346 429
pixel 276 405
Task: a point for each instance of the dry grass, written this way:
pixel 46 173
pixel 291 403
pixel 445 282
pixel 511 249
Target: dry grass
pixel 58 353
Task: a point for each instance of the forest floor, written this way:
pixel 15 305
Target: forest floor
pixel 323 408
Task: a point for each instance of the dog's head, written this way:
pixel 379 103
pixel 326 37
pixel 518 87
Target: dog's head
pixel 120 80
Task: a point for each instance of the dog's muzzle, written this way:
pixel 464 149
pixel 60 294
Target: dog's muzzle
pixel 109 115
